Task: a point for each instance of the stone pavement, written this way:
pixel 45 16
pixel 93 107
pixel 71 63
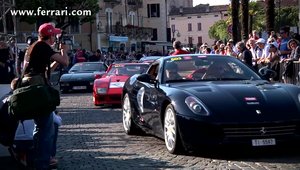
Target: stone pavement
pixel 93 138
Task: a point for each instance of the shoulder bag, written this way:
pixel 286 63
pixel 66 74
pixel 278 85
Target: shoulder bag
pixel 33 101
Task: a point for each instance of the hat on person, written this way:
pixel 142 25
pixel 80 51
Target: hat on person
pixel 230 40
pixel 260 40
pixel 292 40
pixel 47 29
pixel 275 44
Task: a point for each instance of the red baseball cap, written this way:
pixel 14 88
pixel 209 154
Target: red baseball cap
pixel 47 29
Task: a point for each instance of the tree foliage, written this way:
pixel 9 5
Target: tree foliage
pixel 63 20
pixel 219 31
pixel 286 16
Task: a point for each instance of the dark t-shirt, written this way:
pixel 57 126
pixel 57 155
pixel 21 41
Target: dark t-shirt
pixel 39 58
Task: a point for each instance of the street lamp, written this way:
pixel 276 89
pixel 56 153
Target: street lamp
pixel 173 34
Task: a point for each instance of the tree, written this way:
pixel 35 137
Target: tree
pixel 235 20
pixel 59 5
pixel 270 15
pixel 219 31
pixel 287 16
pixel 245 18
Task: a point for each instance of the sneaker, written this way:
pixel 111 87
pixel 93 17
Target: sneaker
pixel 53 163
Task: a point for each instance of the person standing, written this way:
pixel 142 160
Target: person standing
pixel 36 61
pixel 244 54
pixel 178 48
pixel 283 46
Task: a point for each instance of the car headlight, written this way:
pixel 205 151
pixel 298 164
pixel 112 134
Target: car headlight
pixel 196 106
pixel 101 90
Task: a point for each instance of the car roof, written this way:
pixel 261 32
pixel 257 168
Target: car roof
pixel 185 55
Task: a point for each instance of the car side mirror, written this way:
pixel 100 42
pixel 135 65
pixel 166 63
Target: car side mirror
pixel 147 78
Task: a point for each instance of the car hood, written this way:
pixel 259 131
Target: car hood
pixel 243 100
pixel 111 79
pixel 79 76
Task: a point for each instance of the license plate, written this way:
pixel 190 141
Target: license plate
pixel 79 87
pixel 263 142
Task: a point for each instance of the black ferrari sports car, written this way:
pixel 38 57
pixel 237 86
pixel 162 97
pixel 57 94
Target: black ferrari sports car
pixel 192 101
pixel 81 76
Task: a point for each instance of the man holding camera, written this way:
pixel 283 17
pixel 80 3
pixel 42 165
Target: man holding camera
pixel 36 61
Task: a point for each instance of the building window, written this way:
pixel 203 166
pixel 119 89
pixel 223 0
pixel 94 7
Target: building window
pixel 199 27
pixel 153 10
pixel 189 17
pixel 190 40
pixel 154 33
pixel 216 15
pixel 200 40
pixel 198 16
pixel 189 27
pixel 225 15
pixel 108 12
pixel 131 17
pixel 74 26
pixel 173 27
pixel 172 18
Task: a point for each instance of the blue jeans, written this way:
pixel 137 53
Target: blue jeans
pixel 53 153
pixel 43 141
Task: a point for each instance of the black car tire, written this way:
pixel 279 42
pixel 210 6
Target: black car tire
pixel 171 135
pixel 129 126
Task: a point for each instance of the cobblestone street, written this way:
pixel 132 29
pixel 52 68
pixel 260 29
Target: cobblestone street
pixel 92 138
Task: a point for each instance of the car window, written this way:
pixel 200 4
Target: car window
pixel 88 67
pixel 202 68
pixel 127 69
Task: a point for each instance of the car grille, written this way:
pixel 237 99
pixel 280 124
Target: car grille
pixel 262 130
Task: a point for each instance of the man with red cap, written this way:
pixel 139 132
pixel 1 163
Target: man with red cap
pixel 36 61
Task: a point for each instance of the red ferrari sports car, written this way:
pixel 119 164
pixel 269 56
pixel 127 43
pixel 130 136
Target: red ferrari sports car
pixel 108 88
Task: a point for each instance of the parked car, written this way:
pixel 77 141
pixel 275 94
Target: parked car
pixel 148 59
pixel 227 103
pixel 81 76
pixel 108 89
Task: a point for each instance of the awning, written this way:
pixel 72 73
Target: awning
pixel 118 38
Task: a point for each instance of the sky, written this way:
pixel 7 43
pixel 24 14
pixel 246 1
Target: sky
pixel 211 2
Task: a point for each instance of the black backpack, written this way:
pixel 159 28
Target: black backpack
pixel 8 124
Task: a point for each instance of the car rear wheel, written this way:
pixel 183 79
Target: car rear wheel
pixel 129 126
pixel 172 137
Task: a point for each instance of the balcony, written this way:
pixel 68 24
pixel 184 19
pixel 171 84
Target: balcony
pixel 137 3
pixel 129 31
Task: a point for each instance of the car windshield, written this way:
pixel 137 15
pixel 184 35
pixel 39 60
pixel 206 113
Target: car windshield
pixel 88 67
pixel 149 59
pixel 127 69
pixel 206 68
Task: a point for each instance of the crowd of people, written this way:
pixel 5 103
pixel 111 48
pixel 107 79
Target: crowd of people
pixel 257 52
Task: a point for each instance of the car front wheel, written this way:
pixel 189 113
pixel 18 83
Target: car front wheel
pixel 172 138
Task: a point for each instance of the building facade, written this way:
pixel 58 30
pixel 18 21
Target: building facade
pixel 191 25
